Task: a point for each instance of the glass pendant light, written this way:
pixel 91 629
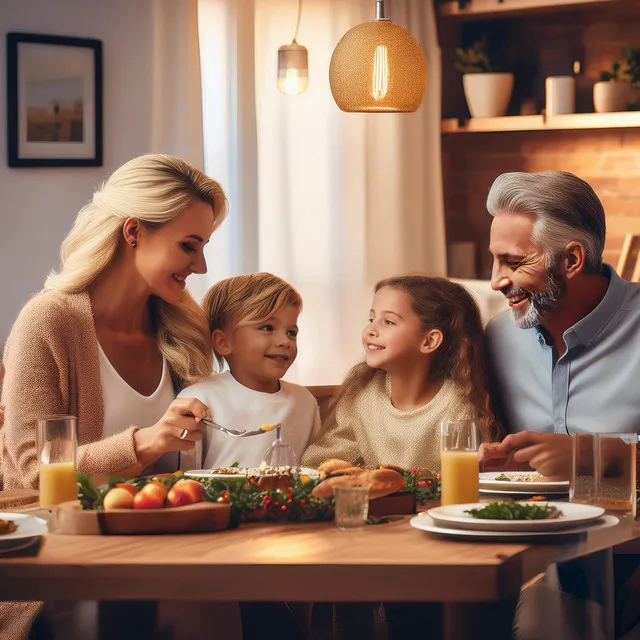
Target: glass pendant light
pixel 378 67
pixel 293 65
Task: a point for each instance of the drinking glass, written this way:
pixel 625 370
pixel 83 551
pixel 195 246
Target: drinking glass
pixel 352 507
pixel 584 482
pixel 460 469
pixel 615 456
pixel 57 446
pixel 280 453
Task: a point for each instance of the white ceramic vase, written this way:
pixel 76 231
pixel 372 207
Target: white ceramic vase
pixel 487 94
pixel 612 96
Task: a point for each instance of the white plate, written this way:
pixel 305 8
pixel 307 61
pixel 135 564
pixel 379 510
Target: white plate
pixel 28 527
pixel 573 515
pixel 488 481
pixel 426 523
pixel 209 473
pixel 515 494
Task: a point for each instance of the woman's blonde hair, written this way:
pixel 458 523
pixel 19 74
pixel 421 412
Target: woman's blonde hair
pixel 154 189
pixel 247 299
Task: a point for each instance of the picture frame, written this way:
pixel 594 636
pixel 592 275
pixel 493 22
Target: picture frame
pixel 54 101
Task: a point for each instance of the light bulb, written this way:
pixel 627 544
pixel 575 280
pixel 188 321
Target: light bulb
pixel 380 73
pixel 293 69
pixel 292 82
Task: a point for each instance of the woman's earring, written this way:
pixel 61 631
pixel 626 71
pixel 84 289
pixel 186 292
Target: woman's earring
pixel 134 244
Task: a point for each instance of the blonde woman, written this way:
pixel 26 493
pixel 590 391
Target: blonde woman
pixel 115 336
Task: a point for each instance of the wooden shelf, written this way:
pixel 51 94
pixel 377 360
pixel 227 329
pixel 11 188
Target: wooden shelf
pixel 487 8
pixel 621 120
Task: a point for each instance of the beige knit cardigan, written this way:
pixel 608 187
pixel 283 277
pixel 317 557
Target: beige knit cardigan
pixel 52 367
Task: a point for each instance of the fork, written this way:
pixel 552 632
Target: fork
pixel 233 432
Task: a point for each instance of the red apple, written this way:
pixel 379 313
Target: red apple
pixel 118 498
pixel 147 500
pixel 128 486
pixel 179 496
pixel 156 489
pixel 194 487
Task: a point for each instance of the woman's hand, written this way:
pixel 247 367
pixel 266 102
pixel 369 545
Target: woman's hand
pixel 184 414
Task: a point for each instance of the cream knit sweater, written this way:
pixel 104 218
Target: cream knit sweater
pixel 369 430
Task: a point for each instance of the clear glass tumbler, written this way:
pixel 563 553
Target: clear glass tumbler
pixel 616 461
pixel 460 469
pixel 352 507
pixel 57 448
pixel 583 486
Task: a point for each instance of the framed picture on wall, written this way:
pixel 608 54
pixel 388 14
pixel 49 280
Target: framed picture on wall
pixel 54 101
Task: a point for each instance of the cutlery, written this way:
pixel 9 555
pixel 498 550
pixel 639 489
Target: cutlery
pixel 240 434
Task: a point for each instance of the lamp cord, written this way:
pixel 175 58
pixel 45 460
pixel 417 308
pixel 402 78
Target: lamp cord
pixel 295 37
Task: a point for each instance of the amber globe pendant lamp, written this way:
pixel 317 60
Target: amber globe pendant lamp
pixel 293 65
pixel 378 67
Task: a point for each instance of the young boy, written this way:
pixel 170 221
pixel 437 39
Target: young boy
pixel 253 322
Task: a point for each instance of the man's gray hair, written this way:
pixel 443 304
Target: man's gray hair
pixel 565 209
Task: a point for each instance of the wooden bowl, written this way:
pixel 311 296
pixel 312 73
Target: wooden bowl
pixel 69 518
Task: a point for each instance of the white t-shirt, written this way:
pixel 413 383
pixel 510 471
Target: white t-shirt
pixel 124 406
pixel 235 406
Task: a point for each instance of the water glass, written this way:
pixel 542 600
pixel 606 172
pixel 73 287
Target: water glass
pixel 583 483
pixel 57 448
pixel 352 507
pixel 616 462
pixel 460 469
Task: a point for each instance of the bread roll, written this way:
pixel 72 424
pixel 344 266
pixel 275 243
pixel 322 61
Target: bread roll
pixel 333 465
pixel 349 471
pixel 381 482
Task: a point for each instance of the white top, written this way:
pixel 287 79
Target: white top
pixel 124 406
pixel 235 406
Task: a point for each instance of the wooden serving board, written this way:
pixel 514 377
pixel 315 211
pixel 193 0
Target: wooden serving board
pixel 69 518
pixel 392 505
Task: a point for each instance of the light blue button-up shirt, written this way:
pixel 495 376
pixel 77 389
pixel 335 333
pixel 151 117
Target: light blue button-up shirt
pixel 593 387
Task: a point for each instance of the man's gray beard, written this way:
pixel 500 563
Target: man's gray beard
pixel 542 303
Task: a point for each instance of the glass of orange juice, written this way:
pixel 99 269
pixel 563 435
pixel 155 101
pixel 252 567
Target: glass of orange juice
pixel 56 441
pixel 460 469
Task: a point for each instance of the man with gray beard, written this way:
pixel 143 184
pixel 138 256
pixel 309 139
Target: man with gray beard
pixel 565 352
pixel 565 358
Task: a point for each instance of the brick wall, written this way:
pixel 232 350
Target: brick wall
pixel 608 159
pixel 539 46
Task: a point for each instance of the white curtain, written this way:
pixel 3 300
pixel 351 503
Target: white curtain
pixel 330 201
pixel 175 123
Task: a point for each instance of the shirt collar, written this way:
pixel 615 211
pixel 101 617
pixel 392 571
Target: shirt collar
pixel 587 329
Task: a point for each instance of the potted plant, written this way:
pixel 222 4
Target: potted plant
pixel 487 91
pixel 616 89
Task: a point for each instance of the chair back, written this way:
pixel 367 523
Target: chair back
pixel 323 395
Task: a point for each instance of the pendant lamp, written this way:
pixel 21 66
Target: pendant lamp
pixel 293 65
pixel 378 67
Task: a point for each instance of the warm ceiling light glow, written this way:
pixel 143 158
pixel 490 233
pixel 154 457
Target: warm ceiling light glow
pixel 378 66
pixel 293 69
pixel 293 65
pixel 380 73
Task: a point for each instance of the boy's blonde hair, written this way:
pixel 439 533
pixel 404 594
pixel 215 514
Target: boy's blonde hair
pixel 247 299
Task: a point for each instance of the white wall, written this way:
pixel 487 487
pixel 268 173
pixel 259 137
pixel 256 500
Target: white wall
pixel 38 205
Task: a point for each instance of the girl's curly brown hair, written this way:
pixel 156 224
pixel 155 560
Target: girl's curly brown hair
pixel 449 307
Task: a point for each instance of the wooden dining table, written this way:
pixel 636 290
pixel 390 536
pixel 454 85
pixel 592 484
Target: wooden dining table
pixel 304 562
